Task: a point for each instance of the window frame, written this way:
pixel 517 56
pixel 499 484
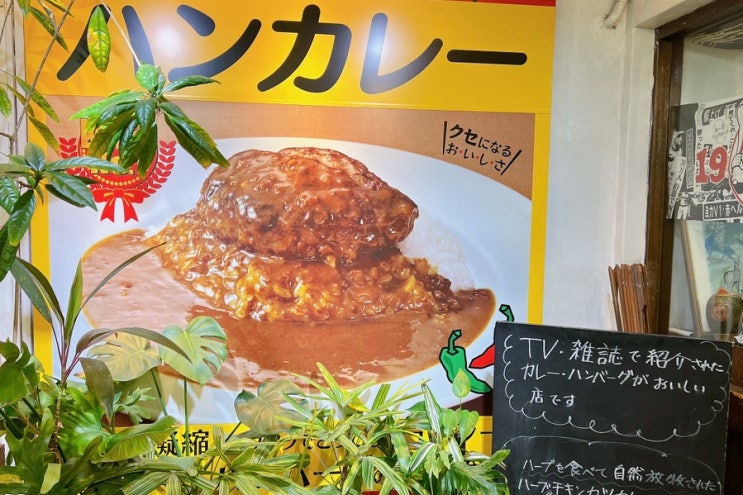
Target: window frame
pixel 668 65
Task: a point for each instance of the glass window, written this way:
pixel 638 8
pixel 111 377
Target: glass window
pixel 697 264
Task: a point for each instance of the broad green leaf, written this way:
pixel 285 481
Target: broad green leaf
pixel 7 253
pixel 172 110
pixel 449 420
pixel 100 382
pixel 14 170
pixel 99 39
pixel 204 342
pixel 45 132
pixel 97 335
pixel 37 288
pixel 132 146
pixel 47 24
pixel 18 160
pixel 116 110
pixel 74 304
pixel 461 385
pixel 9 192
pixel 145 112
pixel 148 483
pixel 22 99
pixel 467 423
pixel 173 485
pixel 106 136
pixel 499 456
pixel 187 81
pixel 33 369
pixel 433 412
pixel 38 98
pixel 29 454
pixel 88 162
pixel 71 189
pixel 51 477
pixel 264 412
pixel 13 378
pixel 5 105
pixel 71 479
pixel 402 451
pixel 125 137
pixel 114 143
pixel 151 78
pixel 9 351
pixel 34 156
pixel 127 356
pixel 81 420
pixel 196 141
pixel 95 110
pixel 138 440
pixel 148 153
pixel 20 218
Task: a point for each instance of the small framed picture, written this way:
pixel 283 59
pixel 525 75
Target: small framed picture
pixel 714 253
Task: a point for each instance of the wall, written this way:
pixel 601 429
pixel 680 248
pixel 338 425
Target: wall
pixel 601 116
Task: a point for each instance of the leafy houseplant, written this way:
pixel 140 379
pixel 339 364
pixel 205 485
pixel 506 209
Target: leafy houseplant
pixel 62 435
pixel 125 124
pixel 326 439
pixel 400 441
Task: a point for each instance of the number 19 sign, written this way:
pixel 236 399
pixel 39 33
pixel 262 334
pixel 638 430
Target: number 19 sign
pixel 705 161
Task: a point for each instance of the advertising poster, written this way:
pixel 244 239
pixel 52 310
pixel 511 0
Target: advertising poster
pixel 705 162
pixel 385 203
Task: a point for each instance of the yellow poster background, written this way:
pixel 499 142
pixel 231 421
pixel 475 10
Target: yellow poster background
pixel 409 28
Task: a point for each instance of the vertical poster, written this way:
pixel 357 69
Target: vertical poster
pixel 386 200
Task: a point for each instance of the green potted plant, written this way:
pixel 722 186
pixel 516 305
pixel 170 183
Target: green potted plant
pixel 125 124
pixel 315 436
pixel 360 440
pixel 62 433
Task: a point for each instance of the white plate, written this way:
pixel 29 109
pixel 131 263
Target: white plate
pixel 491 221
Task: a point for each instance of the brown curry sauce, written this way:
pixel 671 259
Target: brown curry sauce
pixel 382 349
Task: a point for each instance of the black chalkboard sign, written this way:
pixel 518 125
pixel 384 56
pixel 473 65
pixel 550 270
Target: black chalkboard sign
pixel 591 412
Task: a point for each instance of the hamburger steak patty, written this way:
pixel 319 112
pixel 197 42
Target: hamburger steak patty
pixel 304 204
pixel 269 288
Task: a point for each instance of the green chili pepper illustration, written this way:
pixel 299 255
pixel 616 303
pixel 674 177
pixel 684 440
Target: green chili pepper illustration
pixel 454 358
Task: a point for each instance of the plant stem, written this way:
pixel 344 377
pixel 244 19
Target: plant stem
pixel 163 407
pixel 159 392
pixel 187 433
pixel 54 441
pixel 44 58
pixel 12 427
